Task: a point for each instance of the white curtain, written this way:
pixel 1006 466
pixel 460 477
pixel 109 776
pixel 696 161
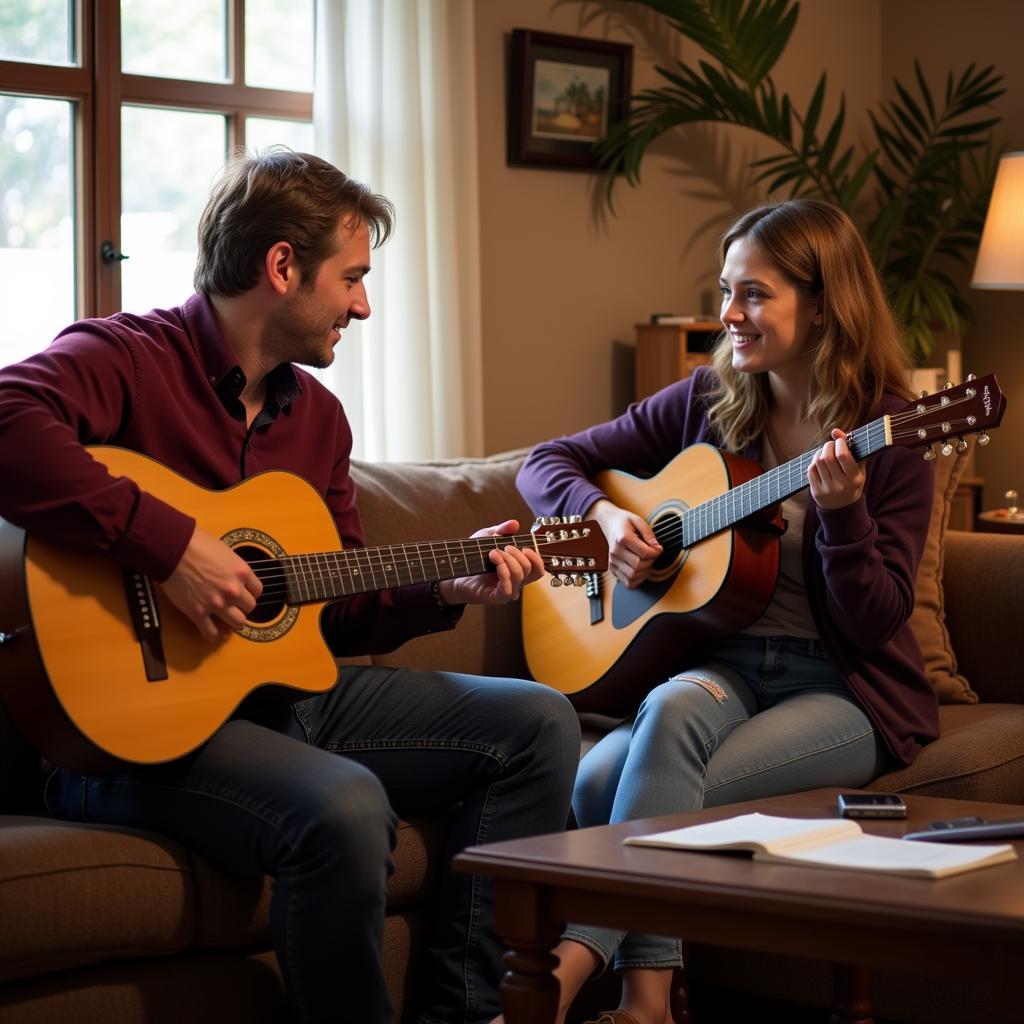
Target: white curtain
pixel 395 106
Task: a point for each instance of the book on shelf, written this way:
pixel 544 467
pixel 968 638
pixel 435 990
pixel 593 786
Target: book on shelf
pixel 828 843
pixel 676 318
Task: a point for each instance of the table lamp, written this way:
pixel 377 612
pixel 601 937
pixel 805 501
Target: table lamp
pixel 1000 263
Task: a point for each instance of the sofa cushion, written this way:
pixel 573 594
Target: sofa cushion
pixel 979 756
pixel 928 619
pixel 411 501
pixel 984 594
pixel 93 880
pixel 208 987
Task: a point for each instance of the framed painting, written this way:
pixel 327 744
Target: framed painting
pixel 565 92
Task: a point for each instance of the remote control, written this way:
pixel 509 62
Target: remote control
pixel 955 832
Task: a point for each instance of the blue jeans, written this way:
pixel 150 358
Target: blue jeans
pixel 763 716
pixel 315 805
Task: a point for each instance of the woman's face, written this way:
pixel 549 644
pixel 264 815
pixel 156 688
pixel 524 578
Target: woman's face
pixel 768 319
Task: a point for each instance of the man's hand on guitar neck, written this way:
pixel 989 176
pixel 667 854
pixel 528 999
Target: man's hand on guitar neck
pixel 212 586
pixel 632 545
pixel 515 567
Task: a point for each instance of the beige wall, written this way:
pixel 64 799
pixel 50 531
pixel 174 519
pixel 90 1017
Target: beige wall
pixel 561 284
pixel 945 35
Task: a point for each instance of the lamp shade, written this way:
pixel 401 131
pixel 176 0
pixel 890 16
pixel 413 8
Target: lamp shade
pixel 1001 253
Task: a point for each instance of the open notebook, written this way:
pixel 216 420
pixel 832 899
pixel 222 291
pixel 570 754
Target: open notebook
pixel 828 843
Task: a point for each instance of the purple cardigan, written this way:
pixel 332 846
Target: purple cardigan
pixel 860 562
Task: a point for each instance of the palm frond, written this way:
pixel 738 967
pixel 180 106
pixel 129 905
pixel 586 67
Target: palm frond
pixel 932 165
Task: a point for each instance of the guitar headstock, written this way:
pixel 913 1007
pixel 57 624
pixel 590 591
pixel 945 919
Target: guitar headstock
pixel 571 549
pixel 973 407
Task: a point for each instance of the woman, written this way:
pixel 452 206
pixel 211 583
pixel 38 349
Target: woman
pixel 827 688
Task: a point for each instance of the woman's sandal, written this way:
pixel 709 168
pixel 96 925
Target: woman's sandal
pixel 614 1017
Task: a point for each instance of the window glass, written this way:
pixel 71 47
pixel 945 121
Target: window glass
pixel 170 159
pixel 262 132
pixel 279 44
pixel 175 39
pixel 37 30
pixel 37 233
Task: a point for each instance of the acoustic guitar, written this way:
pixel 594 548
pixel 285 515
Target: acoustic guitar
pixel 716 516
pixel 98 670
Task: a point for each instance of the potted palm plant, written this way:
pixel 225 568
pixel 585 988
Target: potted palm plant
pixel 919 193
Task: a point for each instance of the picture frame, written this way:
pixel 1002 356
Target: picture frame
pixel 565 93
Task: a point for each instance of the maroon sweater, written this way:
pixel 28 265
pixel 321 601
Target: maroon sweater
pixel 860 562
pixel 167 385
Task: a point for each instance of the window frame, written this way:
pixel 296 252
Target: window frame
pixel 97 90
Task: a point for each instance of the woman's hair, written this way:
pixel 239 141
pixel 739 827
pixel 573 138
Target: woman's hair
pixel 276 196
pixel 856 354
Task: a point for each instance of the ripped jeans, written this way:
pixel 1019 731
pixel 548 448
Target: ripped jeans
pixel 765 715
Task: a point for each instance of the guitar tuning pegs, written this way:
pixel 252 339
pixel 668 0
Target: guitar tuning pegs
pixel 575 519
pixel 983 439
pixel 556 581
pixel 579 579
pixel 947 385
pixel 971 376
pixel 947 449
pixel 961 446
pixel 924 394
pixel 929 454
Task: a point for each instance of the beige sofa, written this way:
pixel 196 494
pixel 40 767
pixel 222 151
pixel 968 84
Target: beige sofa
pixel 104 924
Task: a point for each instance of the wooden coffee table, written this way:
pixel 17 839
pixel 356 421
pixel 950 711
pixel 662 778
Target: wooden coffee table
pixel 971 925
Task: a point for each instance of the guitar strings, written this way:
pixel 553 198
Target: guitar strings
pixel 673 528
pixel 275 576
pixel 371 562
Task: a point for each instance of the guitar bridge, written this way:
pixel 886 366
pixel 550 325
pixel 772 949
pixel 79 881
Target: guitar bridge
pixel 145 615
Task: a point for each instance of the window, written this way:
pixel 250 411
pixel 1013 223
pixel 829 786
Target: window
pixel 114 119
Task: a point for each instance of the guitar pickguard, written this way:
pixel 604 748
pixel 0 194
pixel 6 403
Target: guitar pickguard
pixel 630 605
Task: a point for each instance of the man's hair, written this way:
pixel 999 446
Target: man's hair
pixel 856 355
pixel 276 196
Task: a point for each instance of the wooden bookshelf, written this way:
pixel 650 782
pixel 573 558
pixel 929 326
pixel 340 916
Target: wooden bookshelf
pixel 666 353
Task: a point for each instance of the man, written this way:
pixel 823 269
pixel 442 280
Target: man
pixel 307 792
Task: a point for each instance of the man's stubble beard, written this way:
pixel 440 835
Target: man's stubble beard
pixel 288 334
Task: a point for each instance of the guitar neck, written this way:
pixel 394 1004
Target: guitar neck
pixel 323 576
pixel 774 485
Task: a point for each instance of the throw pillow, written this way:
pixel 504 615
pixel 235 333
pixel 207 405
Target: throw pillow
pixel 928 620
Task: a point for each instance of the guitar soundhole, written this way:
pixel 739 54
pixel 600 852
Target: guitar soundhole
pixel 669 529
pixel 271 602
pixel 667 521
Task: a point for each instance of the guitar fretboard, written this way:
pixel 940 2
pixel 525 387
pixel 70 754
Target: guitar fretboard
pixel 774 485
pixel 322 576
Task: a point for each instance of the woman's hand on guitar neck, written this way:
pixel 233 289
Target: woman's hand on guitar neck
pixel 632 545
pixel 212 586
pixel 836 478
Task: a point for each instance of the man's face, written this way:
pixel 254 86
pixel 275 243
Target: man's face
pixel 307 326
